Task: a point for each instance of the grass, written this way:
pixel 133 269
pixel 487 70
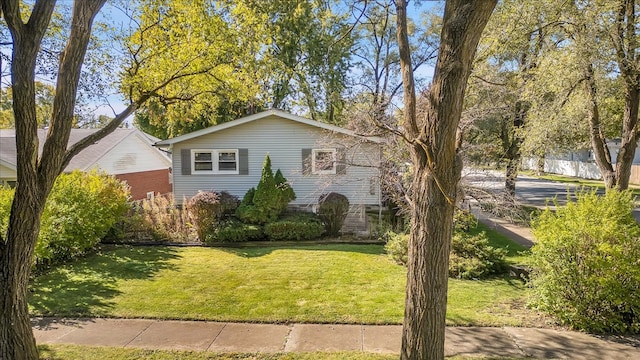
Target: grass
pixel 75 352
pixel 590 184
pixel 517 254
pixel 318 284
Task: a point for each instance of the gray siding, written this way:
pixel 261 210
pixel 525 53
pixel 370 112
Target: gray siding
pixel 283 140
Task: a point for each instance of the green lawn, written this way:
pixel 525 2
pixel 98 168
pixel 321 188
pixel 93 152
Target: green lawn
pixel 319 284
pixel 75 352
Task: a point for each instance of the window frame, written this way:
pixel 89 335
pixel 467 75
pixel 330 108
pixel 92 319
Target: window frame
pixel 331 171
pixel 215 162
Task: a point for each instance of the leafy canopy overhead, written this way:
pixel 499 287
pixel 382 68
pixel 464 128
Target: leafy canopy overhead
pixel 249 55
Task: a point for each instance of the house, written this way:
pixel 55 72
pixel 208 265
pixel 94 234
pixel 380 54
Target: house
pixel 128 154
pixel 316 158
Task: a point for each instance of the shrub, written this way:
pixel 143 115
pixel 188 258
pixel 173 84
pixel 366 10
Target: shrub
pixel 471 256
pixel 265 203
pixel 234 231
pixel 267 195
pixel 285 193
pixel 6 198
pixel 80 210
pixel 295 226
pixel 397 247
pixel 333 210
pixel 159 219
pixel 463 220
pixel 585 263
pixel 208 208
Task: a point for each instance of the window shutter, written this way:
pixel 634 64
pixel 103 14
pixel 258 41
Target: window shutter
pixel 185 156
pixel 306 161
pixel 243 161
pixel 341 158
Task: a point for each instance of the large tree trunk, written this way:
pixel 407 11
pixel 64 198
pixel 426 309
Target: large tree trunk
pixel 625 41
pixel 35 175
pixel 629 143
pixel 437 169
pixel 598 142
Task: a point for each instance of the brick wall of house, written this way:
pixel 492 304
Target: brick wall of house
pixel 146 181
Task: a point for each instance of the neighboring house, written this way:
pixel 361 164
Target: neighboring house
pixel 315 157
pixel 128 154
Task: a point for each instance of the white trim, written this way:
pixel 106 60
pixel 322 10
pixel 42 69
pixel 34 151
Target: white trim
pixel 215 158
pixel 264 114
pixel 332 171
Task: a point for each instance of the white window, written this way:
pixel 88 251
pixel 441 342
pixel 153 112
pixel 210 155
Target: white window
pixel 323 161
pixel 214 161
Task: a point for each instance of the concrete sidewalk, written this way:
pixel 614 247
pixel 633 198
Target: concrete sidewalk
pixel 270 338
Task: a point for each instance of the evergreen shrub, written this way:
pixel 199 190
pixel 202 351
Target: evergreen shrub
pixel 270 199
pixel 471 257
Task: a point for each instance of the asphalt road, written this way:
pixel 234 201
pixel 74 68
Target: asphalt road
pixel 529 190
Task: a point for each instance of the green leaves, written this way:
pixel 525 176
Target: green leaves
pixel 586 269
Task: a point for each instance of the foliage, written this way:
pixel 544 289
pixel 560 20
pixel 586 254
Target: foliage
pixel 333 209
pixel 234 231
pixel 471 257
pixel 586 271
pixel 80 211
pixel 397 247
pixel 159 218
pixel 219 58
pixel 463 220
pixel 207 209
pixel 295 226
pixel 6 197
pixel 247 56
pixel 286 194
pixel 265 203
pixel 267 193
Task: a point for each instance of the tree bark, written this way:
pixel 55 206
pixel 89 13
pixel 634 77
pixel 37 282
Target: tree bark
pixel 437 168
pixel 513 143
pixel 598 142
pixel 625 41
pixel 35 176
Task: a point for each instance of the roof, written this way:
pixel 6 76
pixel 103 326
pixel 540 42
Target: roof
pixel 262 115
pixel 82 161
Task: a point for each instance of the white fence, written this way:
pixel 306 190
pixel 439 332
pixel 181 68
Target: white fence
pixel 584 170
pixel 580 169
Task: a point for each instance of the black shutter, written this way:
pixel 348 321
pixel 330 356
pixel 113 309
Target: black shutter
pixel 185 156
pixel 243 161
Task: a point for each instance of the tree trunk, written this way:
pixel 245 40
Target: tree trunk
pixel 437 168
pixel 540 165
pixel 598 142
pixel 35 175
pixel 629 143
pixel 513 143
